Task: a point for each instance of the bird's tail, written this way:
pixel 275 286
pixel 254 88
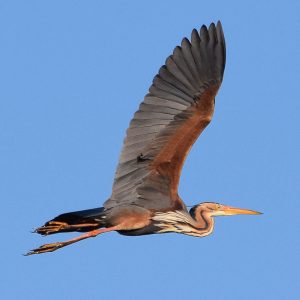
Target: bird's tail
pixel 81 221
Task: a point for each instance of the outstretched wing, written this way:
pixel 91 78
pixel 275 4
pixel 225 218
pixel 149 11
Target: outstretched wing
pixel 179 106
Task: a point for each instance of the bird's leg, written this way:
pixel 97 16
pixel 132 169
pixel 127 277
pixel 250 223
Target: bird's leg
pixel 54 246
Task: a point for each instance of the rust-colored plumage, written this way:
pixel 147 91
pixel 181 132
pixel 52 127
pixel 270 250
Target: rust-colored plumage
pixel 178 107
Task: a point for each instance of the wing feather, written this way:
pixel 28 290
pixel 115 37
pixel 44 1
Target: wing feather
pixel 178 107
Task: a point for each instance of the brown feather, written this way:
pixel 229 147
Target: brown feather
pixel 169 161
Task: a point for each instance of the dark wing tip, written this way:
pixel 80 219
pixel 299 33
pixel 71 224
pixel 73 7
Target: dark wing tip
pixel 194 31
pixel 221 41
pixel 204 33
pixel 212 25
pixel 185 41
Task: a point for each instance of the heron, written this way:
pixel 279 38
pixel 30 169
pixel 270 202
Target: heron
pixel 178 107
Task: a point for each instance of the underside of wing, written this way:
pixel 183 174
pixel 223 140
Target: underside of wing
pixel 178 107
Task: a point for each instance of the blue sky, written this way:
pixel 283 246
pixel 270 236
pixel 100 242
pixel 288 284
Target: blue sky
pixel 73 73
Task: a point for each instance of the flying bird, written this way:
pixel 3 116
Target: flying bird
pixel 179 106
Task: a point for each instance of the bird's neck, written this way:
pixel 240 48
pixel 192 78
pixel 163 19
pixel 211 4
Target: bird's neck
pixel 203 222
pixel 182 222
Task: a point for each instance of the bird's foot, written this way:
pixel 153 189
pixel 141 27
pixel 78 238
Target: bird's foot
pixel 46 248
pixel 51 227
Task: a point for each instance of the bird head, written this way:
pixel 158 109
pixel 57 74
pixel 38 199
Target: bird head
pixel 216 209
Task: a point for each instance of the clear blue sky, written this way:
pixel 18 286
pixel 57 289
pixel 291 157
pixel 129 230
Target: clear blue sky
pixel 73 73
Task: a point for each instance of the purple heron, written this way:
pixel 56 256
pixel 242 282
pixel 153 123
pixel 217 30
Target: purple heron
pixel 178 107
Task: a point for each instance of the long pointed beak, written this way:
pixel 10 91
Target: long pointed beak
pixel 229 211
